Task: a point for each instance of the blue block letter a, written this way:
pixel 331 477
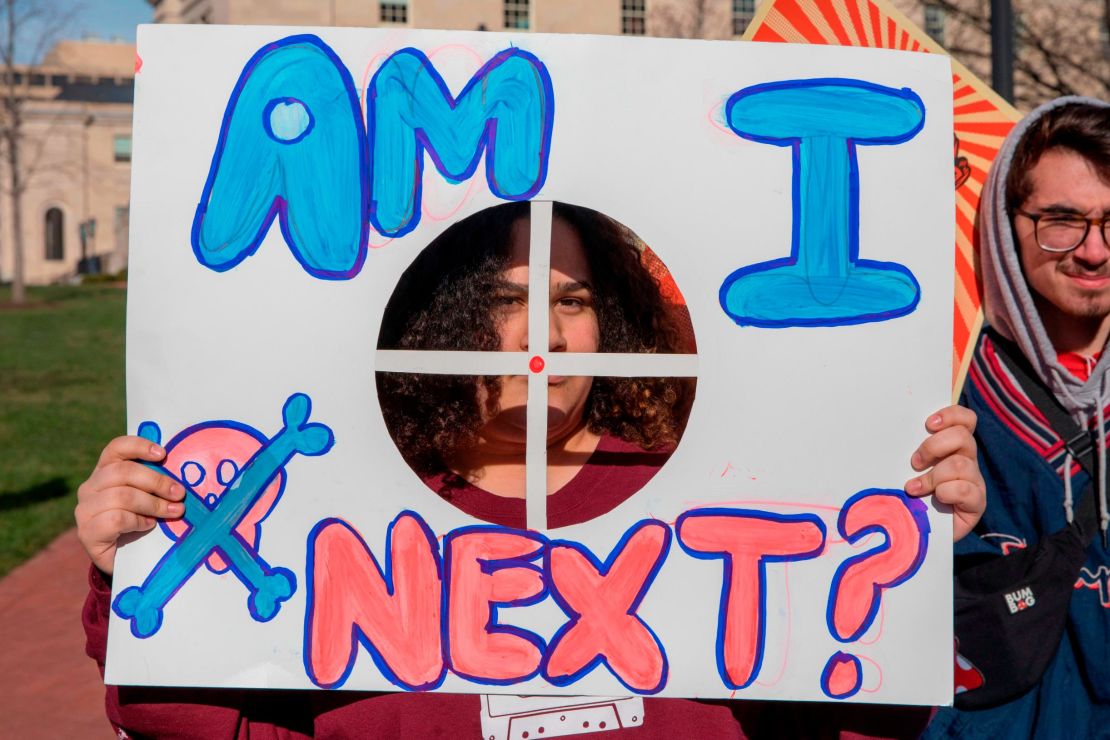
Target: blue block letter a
pixel 506 109
pixel 292 145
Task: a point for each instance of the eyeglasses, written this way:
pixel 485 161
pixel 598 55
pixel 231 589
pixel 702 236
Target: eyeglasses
pixel 1063 232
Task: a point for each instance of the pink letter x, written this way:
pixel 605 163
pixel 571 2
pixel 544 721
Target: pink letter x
pixel 601 602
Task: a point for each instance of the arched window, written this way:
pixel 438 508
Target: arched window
pixel 54 234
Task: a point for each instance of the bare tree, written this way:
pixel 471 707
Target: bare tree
pixel 691 19
pixel 1060 47
pixel 27 28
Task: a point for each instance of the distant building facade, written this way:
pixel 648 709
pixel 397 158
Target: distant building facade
pixel 1061 47
pixel 76 160
pixel 713 18
pixel 78 103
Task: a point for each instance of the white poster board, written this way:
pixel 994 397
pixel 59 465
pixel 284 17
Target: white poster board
pixel 800 198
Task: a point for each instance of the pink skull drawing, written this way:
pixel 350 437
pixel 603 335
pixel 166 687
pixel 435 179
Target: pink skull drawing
pixel 207 458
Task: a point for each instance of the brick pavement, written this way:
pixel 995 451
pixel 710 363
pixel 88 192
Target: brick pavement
pixel 49 688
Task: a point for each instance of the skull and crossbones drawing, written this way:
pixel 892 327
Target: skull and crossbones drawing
pixel 221 528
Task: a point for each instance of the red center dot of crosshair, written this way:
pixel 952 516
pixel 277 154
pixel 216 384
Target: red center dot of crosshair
pixel 536 364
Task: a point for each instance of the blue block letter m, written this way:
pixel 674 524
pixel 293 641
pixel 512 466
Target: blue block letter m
pixel 292 146
pixel 506 110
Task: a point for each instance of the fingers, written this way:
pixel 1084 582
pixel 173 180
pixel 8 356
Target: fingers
pixel 131 500
pixel 122 495
pixel 957 483
pixel 951 474
pixel 112 523
pixel 127 473
pixel 130 448
pixel 955 480
pixel 951 416
pixel 949 441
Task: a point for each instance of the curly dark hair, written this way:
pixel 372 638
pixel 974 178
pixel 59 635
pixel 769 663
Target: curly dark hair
pixel 445 301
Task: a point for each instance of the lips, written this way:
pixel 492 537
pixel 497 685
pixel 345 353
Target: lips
pixel 1090 281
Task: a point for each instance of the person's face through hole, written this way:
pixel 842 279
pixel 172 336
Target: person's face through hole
pixel 572 327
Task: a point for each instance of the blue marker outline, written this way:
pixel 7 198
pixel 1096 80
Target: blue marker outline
pixel 920 516
pixel 193 503
pixel 190 464
pixel 492 626
pixel 357 635
pixel 726 581
pixel 181 561
pixel 267 124
pixel 189 487
pixel 220 477
pixel 487 140
pixel 826 674
pixel 794 142
pixel 603 570
pixel 279 207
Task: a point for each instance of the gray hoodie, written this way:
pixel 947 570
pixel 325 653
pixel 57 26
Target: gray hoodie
pixel 1009 306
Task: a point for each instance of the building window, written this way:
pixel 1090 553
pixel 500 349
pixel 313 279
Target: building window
pixel 633 17
pixel 394 12
pixel 121 147
pixel 54 234
pixel 742 13
pixel 934 23
pixel 516 15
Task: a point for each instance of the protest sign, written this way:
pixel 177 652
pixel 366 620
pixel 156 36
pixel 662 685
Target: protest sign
pixel 797 203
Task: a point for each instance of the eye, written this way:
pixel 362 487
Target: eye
pixel 1064 222
pixel 573 303
pixel 192 473
pixel 226 472
pixel 509 301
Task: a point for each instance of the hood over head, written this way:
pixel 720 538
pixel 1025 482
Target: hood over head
pixel 1007 299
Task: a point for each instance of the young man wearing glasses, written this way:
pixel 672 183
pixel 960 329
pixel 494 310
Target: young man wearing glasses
pixel 1045 249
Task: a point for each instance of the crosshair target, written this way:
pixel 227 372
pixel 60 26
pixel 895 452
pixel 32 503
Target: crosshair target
pixel 529 325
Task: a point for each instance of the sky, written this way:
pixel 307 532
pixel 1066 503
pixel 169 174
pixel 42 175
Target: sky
pixel 104 19
pixel 111 18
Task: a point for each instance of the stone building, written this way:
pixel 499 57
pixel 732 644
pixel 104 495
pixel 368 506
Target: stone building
pixel 79 100
pixel 1061 46
pixel 702 18
pixel 76 161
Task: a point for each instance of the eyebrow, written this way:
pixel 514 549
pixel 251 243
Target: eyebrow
pixel 1064 209
pixel 568 286
pixel 510 287
pixel 573 286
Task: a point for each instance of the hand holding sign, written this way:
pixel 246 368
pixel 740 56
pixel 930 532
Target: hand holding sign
pixel 122 495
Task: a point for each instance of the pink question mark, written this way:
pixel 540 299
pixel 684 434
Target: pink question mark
pixel 858 585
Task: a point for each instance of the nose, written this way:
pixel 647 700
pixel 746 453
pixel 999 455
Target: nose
pixel 1093 250
pixel 556 340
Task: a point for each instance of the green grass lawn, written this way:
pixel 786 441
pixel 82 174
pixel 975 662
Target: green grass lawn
pixel 61 400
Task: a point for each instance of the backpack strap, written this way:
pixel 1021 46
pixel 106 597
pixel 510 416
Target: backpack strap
pixel 1079 442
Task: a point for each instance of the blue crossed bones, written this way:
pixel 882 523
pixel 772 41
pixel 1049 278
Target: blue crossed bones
pixel 214 529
